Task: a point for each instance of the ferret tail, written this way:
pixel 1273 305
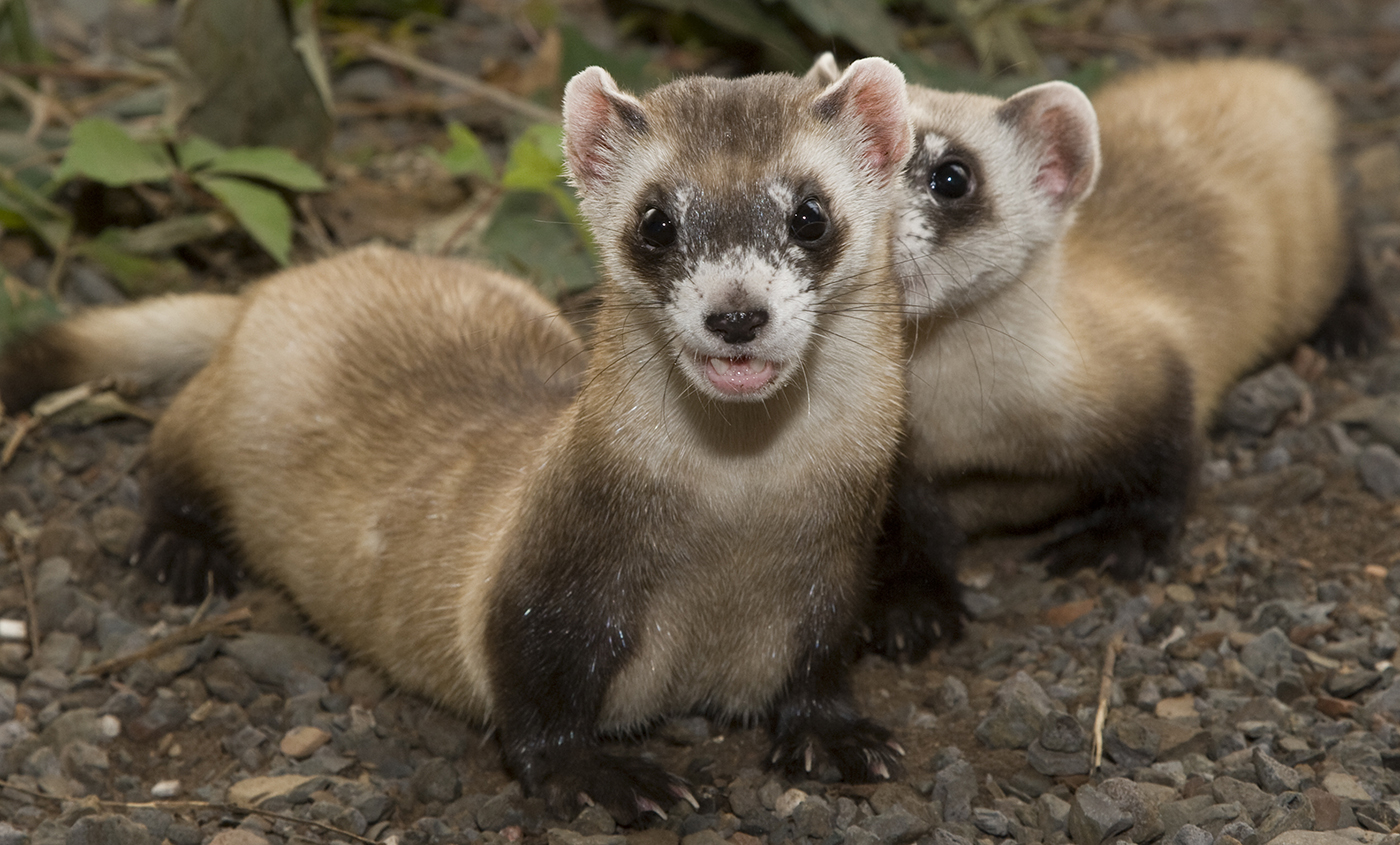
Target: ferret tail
pixel 155 344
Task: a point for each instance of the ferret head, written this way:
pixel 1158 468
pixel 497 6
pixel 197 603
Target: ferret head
pixel 990 184
pixel 729 213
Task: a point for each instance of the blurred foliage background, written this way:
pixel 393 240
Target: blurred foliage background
pixel 152 145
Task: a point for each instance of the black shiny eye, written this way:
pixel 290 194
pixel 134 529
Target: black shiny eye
pixel 656 228
pixel 809 221
pixel 950 180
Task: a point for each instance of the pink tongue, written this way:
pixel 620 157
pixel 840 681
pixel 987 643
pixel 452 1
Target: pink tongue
pixel 741 375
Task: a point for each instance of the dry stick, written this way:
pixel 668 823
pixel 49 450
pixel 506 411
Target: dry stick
pixel 49 406
pixel 187 634
pixel 504 99
pixel 197 805
pixel 1105 692
pixel 74 71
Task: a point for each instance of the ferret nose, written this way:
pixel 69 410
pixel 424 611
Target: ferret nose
pixel 737 326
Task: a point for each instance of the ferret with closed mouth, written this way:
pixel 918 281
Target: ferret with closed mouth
pixel 417 451
pixel 1083 283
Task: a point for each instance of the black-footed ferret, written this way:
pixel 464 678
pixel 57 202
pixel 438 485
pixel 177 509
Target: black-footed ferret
pixel 415 449
pixel 1083 283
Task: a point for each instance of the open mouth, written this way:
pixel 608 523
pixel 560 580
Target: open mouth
pixel 739 376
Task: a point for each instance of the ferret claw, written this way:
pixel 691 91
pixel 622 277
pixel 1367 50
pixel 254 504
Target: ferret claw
pixel 646 805
pixel 896 747
pixel 585 799
pixel 807 756
pixel 880 770
pixel 681 792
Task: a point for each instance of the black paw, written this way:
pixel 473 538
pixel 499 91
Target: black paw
pixel 1358 323
pixel 191 565
pixel 1125 553
pixel 628 787
pixel 861 750
pixel 905 626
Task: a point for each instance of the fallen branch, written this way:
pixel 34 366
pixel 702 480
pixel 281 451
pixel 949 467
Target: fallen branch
pixel 197 805
pixel 1105 693
pixel 187 634
pixel 409 62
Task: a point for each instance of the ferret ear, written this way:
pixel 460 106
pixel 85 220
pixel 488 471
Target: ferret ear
pixel 870 96
pixel 824 69
pixel 1060 121
pixel 600 121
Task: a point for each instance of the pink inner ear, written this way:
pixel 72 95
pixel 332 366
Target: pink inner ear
pixel 1065 165
pixel 1053 177
pixel 878 101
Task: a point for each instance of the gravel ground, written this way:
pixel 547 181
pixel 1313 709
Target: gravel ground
pixel 1252 698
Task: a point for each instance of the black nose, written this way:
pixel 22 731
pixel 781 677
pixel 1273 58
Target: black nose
pixel 737 326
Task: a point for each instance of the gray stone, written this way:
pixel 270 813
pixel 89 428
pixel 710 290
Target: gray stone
pixel 813 817
pixel 1057 763
pixel 11 835
pixel 943 836
pixel 165 713
pixel 227 680
pixel 1291 811
pixel 59 650
pixel 1052 813
pixel 275 658
pixel 1379 469
pixel 1189 834
pixel 564 836
pixel 952 695
pixel 82 724
pixel 436 780
pixel 1186 811
pixel 1255 405
pixel 1062 732
pixel 1347 684
pixel 113 528
pixel 1019 709
pixel 108 830
pixel 1275 777
pixel 991 822
pixel 1147 822
pixel 896 825
pixel 1094 817
pixel 954 788
pixel 1255 801
pixel 1269 653
pixel 1131 744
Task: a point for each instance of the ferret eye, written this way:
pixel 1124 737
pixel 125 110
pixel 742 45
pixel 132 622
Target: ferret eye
pixel 656 228
pixel 950 180
pixel 809 221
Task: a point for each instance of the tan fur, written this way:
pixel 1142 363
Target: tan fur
pixel 1214 234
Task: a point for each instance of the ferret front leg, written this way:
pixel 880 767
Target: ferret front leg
pixel 916 599
pixel 816 721
pixel 1140 497
pixel 554 655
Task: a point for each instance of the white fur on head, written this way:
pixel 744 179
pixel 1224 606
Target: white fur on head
pixel 870 96
pixel 600 121
pixel 1060 121
pixel 824 69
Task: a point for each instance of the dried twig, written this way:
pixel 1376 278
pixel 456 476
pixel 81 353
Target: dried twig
pixel 187 634
pixel 389 55
pixel 77 71
pixel 198 805
pixel 52 405
pixel 1105 692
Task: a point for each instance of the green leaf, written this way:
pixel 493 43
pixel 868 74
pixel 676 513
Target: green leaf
pixel 530 238
pixel 466 156
pixel 136 275
pixel 271 164
pixel 197 152
pixel 259 210
pixel 634 68
pixel 749 20
pixel 22 207
pixel 22 309
pixel 103 151
pixel 536 161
